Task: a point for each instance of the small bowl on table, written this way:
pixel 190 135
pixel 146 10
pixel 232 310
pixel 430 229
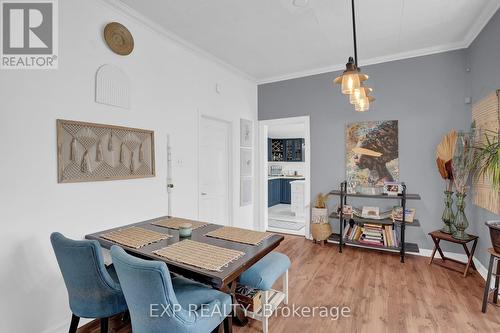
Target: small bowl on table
pixel 185 230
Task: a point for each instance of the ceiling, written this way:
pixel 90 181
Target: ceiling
pixel 272 40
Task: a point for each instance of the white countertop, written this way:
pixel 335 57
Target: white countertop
pixel 285 177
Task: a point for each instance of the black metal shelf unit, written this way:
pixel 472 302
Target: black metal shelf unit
pixel 403 246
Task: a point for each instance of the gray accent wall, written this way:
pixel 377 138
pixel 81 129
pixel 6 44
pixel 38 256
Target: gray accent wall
pixel 483 57
pixel 425 94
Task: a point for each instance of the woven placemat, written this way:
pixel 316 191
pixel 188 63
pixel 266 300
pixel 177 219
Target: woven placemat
pixel 175 222
pixel 239 235
pixel 135 237
pixel 201 255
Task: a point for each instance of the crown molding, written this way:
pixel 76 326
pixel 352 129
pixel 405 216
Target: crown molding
pixel 482 20
pixel 148 23
pixel 367 62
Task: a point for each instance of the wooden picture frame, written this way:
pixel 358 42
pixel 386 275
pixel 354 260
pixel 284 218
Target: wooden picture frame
pixel 89 152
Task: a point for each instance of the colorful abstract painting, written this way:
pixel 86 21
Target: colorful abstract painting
pixel 372 153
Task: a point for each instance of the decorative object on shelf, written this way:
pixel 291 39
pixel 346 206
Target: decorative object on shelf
pixel 352 79
pixel 112 87
pixel 444 156
pixel 372 154
pixel 389 235
pixel 347 210
pixel 462 165
pixel 381 215
pixel 370 212
pixel 118 38
pixel 81 157
pixel 246 133
pixel 185 229
pixel 494 227
pixel 397 214
pixel 320 226
pixel 393 188
pixel 486 116
pixel 368 189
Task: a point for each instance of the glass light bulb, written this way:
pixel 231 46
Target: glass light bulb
pixel 350 81
pixel 356 95
pixel 362 105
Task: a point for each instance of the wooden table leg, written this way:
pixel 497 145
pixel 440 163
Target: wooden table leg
pixel 497 282
pixel 436 245
pixel 470 257
pixel 487 284
pixel 238 314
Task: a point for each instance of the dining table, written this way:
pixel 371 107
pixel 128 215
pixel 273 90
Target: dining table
pixel 225 280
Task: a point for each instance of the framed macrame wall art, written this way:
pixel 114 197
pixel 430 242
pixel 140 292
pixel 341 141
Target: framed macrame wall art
pixel 486 114
pixel 89 152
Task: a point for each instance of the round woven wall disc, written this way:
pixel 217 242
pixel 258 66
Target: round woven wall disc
pixel 118 38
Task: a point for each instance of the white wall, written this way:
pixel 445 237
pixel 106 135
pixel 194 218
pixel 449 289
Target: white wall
pixel 170 86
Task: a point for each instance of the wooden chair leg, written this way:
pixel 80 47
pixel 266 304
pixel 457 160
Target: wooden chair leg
pixel 126 317
pixel 228 324
pixel 285 287
pixel 487 285
pixel 265 314
pixel 265 324
pixel 74 324
pixel 104 325
pixel 220 328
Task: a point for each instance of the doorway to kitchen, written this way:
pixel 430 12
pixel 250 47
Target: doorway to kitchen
pixel 285 175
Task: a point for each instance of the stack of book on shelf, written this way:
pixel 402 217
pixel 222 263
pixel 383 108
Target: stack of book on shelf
pixel 372 234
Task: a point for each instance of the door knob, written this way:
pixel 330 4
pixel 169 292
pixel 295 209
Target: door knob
pixel 203 193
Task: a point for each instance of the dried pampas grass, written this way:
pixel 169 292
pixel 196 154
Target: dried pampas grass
pixel 444 154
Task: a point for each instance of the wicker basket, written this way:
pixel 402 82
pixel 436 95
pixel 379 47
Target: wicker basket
pixel 321 232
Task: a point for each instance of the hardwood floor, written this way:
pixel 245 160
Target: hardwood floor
pixel 382 294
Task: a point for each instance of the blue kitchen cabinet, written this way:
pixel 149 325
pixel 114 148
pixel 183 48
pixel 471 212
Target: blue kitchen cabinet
pixel 285 150
pixel 294 151
pixel 273 192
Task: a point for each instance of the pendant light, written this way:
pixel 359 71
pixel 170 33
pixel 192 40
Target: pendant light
pixel 363 104
pixel 359 93
pixel 352 79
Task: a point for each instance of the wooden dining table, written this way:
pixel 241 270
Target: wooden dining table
pixel 225 281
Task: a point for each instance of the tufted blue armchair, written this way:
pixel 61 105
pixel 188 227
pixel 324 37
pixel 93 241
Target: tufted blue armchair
pixel 93 288
pixel 159 303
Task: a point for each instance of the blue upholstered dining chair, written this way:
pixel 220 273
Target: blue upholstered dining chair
pixel 93 288
pixel 159 303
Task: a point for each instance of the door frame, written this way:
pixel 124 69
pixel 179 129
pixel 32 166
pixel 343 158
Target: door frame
pixel 230 173
pixel 263 168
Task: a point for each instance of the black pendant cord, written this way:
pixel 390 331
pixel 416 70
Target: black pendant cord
pixel 354 35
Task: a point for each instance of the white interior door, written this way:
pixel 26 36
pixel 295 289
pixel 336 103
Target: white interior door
pixel 214 171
